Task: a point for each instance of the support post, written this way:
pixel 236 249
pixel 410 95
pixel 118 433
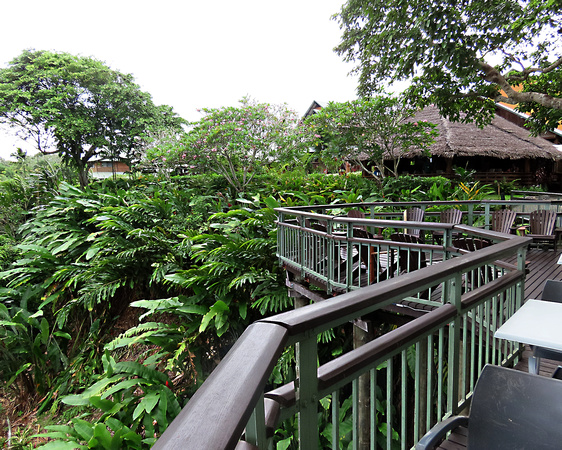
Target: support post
pixel 362 334
pixel 306 386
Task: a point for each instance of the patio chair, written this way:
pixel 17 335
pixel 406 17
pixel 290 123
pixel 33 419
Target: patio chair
pixel 541 226
pixel 414 215
pixel 476 277
pixel 408 260
pixel 502 220
pixel 509 410
pixel 452 215
pixel 551 292
pixel 370 258
pixel 356 214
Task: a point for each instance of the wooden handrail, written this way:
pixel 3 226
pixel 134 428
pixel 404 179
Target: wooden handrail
pixel 229 395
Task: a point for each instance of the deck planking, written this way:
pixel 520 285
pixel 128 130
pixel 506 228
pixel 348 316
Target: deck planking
pixel 542 265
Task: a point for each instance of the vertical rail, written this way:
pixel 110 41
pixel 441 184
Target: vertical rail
pixel 336 419
pixel 255 430
pixel 307 392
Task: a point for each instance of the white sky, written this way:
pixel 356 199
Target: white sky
pixel 192 54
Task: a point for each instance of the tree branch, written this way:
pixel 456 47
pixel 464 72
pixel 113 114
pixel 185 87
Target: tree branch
pixel 492 75
pixel 530 70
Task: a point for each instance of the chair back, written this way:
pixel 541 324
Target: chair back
pixel 414 215
pixel 542 222
pixel 452 215
pixel 471 244
pixel 356 214
pixel 515 410
pixel 502 220
pixel 552 291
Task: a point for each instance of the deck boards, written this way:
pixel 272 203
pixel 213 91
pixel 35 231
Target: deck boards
pixel 542 265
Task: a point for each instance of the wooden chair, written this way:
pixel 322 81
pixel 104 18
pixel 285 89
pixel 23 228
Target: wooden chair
pixel 502 220
pixel 414 215
pixel 356 214
pixel 476 277
pixel 509 410
pixel 408 260
pixel 541 226
pixel 370 258
pixel 452 215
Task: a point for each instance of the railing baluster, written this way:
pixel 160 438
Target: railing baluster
pixel 373 407
pixel 336 419
pixel 429 401
pixel 255 430
pixel 307 391
pixel 404 398
pixel 417 392
pixel 440 359
pixel 389 401
pixel 355 406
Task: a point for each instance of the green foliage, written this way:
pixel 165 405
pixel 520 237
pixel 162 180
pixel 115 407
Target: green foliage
pixel 196 265
pixel 136 401
pixel 235 268
pixel 26 184
pixel 543 118
pixel 371 130
pixel 413 188
pixel 8 252
pixel 459 54
pixel 473 191
pixel 78 105
pixel 31 354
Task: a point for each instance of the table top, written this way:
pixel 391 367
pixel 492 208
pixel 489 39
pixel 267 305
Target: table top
pixel 537 322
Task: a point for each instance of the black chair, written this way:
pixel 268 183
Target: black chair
pixel 509 410
pixel 551 292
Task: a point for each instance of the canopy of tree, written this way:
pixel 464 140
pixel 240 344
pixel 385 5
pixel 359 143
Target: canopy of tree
pixel 78 107
pixel 461 54
pixel 368 131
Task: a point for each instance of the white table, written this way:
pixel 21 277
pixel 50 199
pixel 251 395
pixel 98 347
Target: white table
pixel 537 323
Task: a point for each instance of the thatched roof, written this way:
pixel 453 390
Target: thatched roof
pixel 501 139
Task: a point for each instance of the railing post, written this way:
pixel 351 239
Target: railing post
pixel 280 236
pixel 487 216
pixel 447 243
pixel 302 244
pixel 331 256
pixel 521 256
pixel 349 261
pixel 255 430
pixel 307 392
pixel 470 219
pixel 455 292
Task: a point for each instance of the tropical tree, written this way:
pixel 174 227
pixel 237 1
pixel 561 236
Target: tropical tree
pixel 463 55
pixel 78 107
pixel 238 142
pixel 371 130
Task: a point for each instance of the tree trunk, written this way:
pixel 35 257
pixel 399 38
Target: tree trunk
pixel 83 175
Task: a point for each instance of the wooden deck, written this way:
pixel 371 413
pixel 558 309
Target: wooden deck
pixel 542 265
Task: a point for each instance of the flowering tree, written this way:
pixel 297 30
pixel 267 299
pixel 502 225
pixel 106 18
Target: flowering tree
pixel 163 151
pixel 371 130
pixel 238 142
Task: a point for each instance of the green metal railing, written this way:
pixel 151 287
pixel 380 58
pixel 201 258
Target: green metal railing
pixel 414 375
